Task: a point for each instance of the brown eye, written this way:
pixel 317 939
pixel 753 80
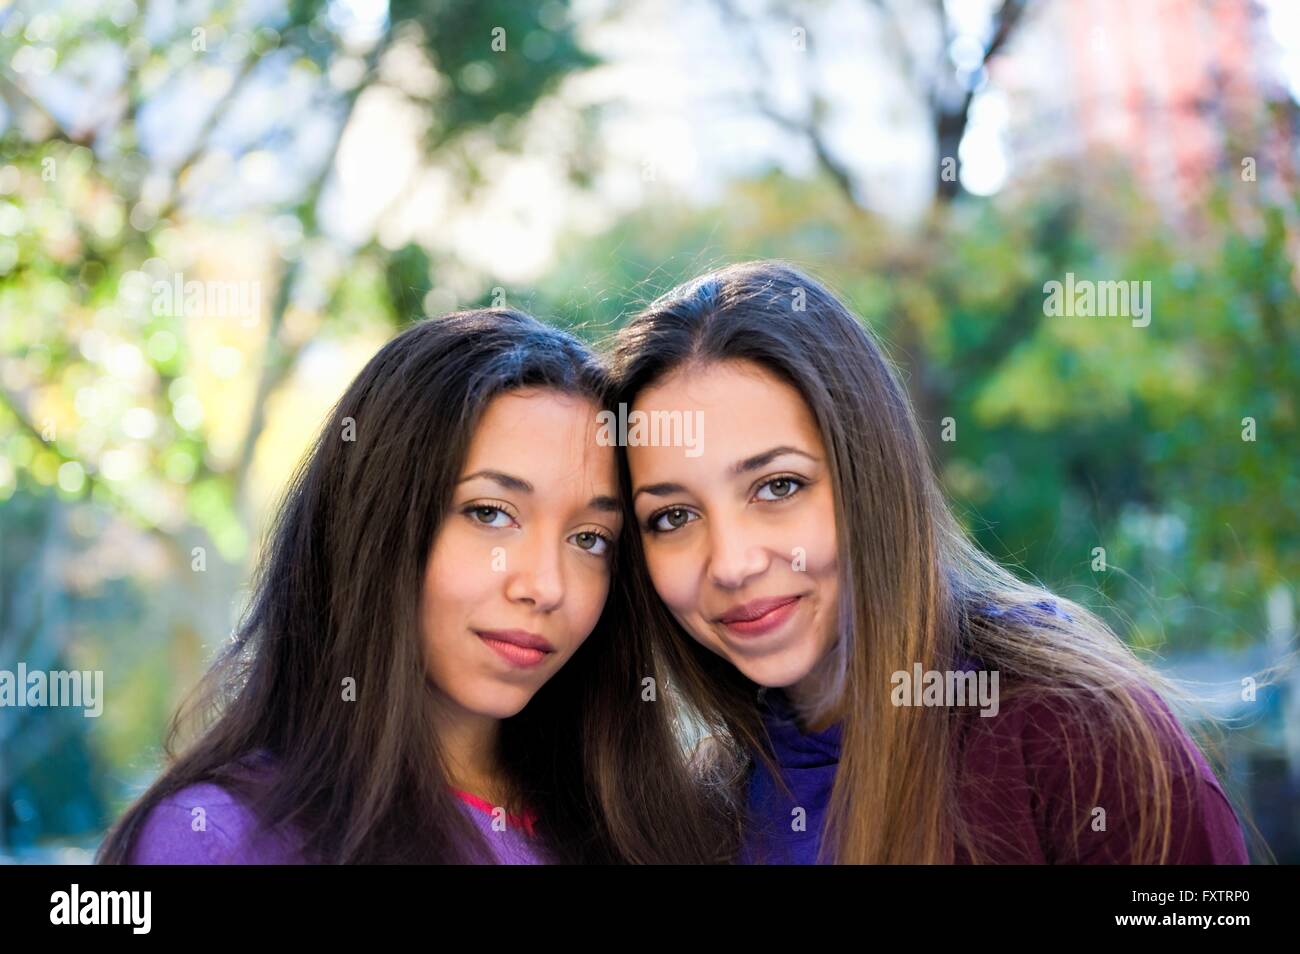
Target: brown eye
pixel 486 516
pixel 780 488
pixel 669 520
pixel 591 542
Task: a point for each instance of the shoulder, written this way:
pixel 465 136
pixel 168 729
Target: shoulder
pixel 1085 786
pixel 205 823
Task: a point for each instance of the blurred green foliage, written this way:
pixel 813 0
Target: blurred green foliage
pixel 122 457
pixel 1070 432
pixel 126 522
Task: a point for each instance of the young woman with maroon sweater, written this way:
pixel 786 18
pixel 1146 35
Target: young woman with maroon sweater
pixel 800 564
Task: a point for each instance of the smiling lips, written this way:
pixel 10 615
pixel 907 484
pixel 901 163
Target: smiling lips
pixel 516 646
pixel 758 617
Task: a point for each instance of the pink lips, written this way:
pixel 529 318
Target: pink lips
pixel 759 616
pixel 516 646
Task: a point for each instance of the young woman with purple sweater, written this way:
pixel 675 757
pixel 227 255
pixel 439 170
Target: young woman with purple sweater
pixel 428 671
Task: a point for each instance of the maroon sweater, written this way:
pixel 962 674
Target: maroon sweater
pixel 1014 792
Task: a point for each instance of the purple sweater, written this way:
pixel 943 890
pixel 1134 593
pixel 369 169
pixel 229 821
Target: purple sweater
pixel 169 836
pixel 1015 794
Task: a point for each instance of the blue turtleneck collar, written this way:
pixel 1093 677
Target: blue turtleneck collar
pixel 780 830
pixel 792 745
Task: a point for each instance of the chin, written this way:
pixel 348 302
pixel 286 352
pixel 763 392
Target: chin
pixel 497 701
pixel 778 670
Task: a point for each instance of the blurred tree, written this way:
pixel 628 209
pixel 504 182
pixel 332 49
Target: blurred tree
pixel 1071 433
pixel 919 41
pixel 120 128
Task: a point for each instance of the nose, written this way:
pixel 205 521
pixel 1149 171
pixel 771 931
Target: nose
pixel 735 556
pixel 536 577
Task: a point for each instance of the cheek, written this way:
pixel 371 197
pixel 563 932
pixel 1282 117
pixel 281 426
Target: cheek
pixel 588 593
pixel 673 573
pixel 816 527
pixel 823 563
pixel 457 577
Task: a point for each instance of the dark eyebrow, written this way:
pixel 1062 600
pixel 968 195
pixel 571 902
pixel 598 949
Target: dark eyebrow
pixel 765 458
pixel 505 480
pixel 659 490
pixel 601 502
pixel 742 467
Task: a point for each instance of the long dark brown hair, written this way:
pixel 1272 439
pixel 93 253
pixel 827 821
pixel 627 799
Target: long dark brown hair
pixel 913 588
pixel 337 597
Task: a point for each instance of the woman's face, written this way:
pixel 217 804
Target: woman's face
pixel 740 540
pixel 519 572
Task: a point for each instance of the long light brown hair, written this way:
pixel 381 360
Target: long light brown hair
pixel 914 588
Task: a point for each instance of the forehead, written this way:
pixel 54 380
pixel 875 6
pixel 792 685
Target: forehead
pixel 540 434
pixel 744 409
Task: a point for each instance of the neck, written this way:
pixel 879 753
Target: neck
pixel 469 744
pixel 813 697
